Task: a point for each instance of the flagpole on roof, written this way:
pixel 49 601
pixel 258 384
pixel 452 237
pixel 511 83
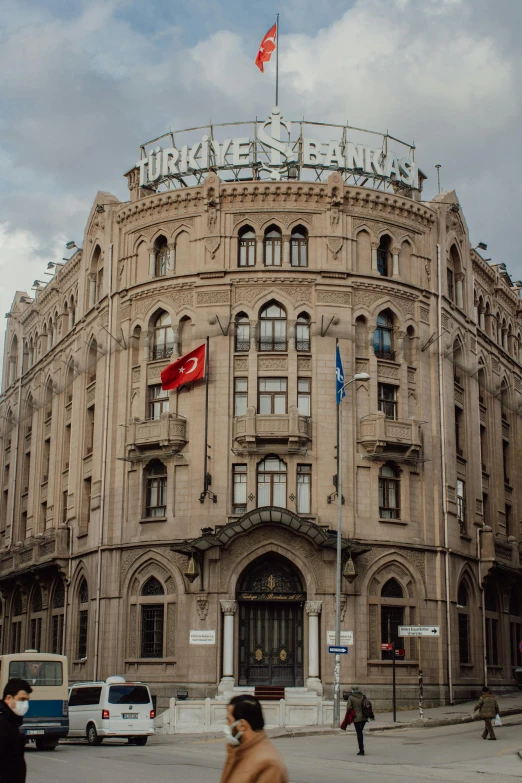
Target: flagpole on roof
pixel 277 60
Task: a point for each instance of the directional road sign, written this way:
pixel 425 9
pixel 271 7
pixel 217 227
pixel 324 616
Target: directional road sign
pixel 419 630
pixel 387 646
pixel 338 650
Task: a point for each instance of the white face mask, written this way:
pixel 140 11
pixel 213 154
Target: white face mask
pixel 232 739
pixel 20 708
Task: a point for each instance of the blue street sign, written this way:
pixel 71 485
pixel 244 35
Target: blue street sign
pixel 338 650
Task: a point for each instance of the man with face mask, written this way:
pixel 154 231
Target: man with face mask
pixel 12 743
pixel 251 757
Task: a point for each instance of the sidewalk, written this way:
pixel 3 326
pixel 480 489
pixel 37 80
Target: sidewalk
pixel 510 704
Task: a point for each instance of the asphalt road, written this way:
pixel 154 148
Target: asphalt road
pixel 455 754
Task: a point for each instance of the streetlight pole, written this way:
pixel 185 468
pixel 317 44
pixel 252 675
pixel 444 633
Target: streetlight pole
pixel 362 376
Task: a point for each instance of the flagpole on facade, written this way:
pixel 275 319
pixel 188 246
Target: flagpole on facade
pixel 205 474
pixel 277 60
pixel 337 666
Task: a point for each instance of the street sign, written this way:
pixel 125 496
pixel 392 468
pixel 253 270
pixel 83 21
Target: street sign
pixel 388 646
pixel 400 653
pixel 346 638
pixel 419 630
pixel 338 650
pixel 520 646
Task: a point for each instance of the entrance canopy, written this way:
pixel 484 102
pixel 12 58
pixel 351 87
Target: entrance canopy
pixel 222 535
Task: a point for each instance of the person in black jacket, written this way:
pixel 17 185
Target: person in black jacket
pixel 12 743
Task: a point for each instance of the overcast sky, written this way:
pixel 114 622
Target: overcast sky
pixel 84 83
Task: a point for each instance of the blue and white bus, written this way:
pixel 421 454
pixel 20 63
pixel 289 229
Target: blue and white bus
pixel 47 718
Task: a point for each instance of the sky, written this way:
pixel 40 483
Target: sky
pixel 84 83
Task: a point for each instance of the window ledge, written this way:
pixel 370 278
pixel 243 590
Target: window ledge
pixel 467 665
pixel 153 519
pixel 135 661
pixel 466 537
pixel 398 662
pixel 393 521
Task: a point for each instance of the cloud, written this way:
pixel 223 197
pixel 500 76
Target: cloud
pixel 82 87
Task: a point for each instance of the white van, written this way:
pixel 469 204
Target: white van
pixel 114 708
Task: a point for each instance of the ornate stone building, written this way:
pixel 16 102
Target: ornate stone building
pixel 120 545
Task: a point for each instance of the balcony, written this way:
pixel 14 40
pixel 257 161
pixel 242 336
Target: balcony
pixel 288 433
pixel 46 549
pixel 402 437
pixel 168 433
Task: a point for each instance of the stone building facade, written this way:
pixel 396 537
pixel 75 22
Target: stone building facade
pixel 122 546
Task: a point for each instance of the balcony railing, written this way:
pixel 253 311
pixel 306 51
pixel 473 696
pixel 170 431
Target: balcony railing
pixel 402 436
pixel 169 431
pixel 162 353
pixel 258 432
pixel 382 353
pixel 272 345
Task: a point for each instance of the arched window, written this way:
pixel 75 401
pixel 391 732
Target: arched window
pixel 48 397
pixel 242 332
pixel 384 256
pixel 389 492
pixel 272 326
pixel 95 277
pixel 272 246
pixel 152 619
pixel 16 621
pixel 271 482
pixel 383 336
pixel 36 619
pixel 392 616
pixel 409 346
pixel 492 625
pixel 72 312
pixel 31 352
pixel 13 360
pixel 247 247
pixel 57 617
pixel 161 257
pixel 83 619
pixel 92 361
pixel 135 345
pixel 155 489
pixel 457 355
pixel 464 624
pixel 163 346
pixel 299 246
pixel 361 336
pixel 50 334
pixel 302 332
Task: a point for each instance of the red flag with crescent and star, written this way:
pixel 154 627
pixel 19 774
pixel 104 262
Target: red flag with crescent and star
pixel 266 47
pixel 186 369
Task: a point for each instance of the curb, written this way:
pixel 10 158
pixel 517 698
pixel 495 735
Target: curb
pixel 427 723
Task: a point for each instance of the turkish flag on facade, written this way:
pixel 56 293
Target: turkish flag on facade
pixel 266 47
pixel 186 369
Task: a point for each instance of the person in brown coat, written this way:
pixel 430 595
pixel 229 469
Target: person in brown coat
pixel 251 757
pixel 488 708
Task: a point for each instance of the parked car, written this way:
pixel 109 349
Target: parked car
pixel 113 708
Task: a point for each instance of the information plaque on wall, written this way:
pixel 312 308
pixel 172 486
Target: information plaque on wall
pixel 202 637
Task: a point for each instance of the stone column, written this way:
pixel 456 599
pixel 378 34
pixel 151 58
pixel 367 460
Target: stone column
pixel 395 262
pixel 285 250
pixel 313 682
pixel 375 246
pixel 459 277
pixel 229 609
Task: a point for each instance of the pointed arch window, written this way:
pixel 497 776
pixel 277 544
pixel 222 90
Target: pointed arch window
pixel 302 332
pixel 16 622
pixel 383 337
pixel 299 246
pixel 464 624
pixel 152 619
pixel 161 257
pixel 392 616
pixel 272 246
pixel 83 619
pixel 246 247
pixel 272 326
pixel 389 492
pixel 384 256
pixel 155 489
pixel 36 619
pixel 57 618
pixel 242 332
pixel 271 482
pixel 163 346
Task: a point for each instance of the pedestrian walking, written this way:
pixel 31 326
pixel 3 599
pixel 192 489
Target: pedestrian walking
pixel 13 707
pixel 251 757
pixel 363 712
pixel 488 709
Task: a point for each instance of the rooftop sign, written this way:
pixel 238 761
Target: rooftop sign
pixel 277 150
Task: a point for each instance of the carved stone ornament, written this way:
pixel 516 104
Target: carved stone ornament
pixel 335 244
pixel 296 293
pixel 202 604
pixel 313 608
pixel 213 297
pixel 286 218
pixel 212 244
pixel 334 297
pixel 228 607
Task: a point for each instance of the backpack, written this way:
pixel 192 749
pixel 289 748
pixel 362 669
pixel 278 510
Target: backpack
pixel 367 709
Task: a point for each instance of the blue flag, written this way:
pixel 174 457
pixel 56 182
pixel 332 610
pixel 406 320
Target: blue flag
pixel 339 377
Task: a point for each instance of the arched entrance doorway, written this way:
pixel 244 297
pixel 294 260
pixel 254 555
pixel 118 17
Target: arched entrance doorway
pixel 271 598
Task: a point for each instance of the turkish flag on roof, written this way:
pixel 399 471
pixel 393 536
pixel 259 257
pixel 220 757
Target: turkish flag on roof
pixel 266 47
pixel 186 369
